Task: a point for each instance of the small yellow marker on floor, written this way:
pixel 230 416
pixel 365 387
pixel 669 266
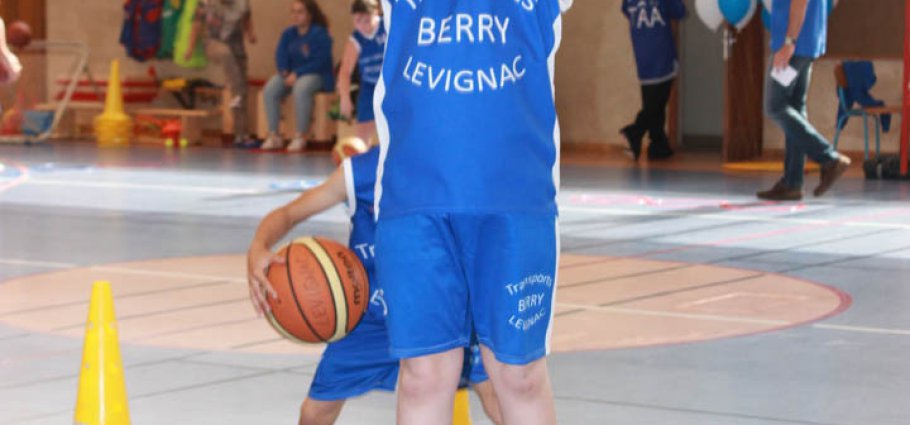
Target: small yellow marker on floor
pixel 184 142
pixel 461 414
pixel 102 392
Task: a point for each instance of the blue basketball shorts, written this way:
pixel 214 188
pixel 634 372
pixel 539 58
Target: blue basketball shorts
pixel 361 362
pixel 365 103
pixel 445 275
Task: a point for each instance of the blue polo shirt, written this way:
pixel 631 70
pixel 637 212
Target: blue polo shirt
pixel 812 39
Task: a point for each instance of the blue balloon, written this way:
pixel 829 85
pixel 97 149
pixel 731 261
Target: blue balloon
pixel 737 12
pixel 766 19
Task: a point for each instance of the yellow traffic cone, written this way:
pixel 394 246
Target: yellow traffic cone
pixel 113 127
pixel 102 392
pixel 461 414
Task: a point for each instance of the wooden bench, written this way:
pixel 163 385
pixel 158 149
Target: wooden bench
pixel 191 121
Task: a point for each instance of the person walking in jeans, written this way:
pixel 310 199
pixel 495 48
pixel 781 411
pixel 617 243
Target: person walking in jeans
pixel 798 36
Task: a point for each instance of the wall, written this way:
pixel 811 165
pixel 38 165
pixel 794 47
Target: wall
pixel 596 83
pixel 98 23
pixel 702 81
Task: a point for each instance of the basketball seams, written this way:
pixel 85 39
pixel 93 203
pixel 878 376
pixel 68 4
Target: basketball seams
pixel 294 295
pixel 344 292
pixel 334 281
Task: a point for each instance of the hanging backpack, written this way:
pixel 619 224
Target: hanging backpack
pixel 169 20
pixel 141 33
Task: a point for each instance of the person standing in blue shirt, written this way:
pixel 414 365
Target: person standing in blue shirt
pixel 799 31
pixel 304 61
pixel 650 23
pixel 363 51
pixel 466 199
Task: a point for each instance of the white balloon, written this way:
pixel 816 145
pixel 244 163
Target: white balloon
pixel 753 7
pixel 710 14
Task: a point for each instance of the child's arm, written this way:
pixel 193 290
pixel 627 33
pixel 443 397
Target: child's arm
pixel 277 224
pixel 348 61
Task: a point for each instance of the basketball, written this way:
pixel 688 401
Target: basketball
pixel 322 290
pixel 348 147
pixel 19 34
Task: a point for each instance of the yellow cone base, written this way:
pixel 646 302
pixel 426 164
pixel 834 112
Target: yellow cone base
pixel 461 414
pixel 113 130
pixel 102 392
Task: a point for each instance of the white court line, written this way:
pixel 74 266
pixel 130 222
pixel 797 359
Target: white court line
pixel 124 270
pixel 863 329
pixel 738 217
pixel 168 188
pixel 46 264
pixel 141 272
pixel 661 313
pixel 735 319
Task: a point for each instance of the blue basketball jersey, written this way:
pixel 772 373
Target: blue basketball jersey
pixel 465 107
pixel 371 49
pixel 360 180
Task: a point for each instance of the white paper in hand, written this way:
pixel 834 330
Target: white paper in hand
pixel 784 76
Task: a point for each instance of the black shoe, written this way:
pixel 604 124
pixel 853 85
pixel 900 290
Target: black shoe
pixel 830 173
pixel 633 140
pixel 780 193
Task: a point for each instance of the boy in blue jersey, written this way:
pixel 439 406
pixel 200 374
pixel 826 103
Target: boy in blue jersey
pixel 799 32
pixel 650 24
pixel 363 51
pixel 466 198
pixel 360 362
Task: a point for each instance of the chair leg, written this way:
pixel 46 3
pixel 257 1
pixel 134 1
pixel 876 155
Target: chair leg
pixel 865 136
pixel 878 135
pixel 838 129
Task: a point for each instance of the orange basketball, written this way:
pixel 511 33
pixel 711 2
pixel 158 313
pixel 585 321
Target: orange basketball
pixel 322 289
pixel 19 34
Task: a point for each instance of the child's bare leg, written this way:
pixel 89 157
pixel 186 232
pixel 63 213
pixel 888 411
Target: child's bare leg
pixel 427 387
pixel 489 401
pixel 524 391
pixel 316 412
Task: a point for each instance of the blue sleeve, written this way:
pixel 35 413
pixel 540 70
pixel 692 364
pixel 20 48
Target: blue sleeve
pixel 622 9
pixel 282 61
pixel 676 9
pixel 320 56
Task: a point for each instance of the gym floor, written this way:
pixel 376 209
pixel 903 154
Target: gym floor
pixel 682 299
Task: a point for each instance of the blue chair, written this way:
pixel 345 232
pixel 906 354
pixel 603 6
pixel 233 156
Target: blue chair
pixel 874 112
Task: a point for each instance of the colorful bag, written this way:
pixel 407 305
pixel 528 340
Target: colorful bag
pixel 141 33
pixel 169 20
pixel 184 31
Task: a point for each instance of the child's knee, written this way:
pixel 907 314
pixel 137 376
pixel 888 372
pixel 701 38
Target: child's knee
pixel 525 380
pixel 314 412
pixel 423 377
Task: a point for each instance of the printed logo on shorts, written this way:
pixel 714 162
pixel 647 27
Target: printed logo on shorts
pixel 532 301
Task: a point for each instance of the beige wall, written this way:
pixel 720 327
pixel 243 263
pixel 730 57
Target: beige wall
pixel 823 107
pixel 597 88
pixel 98 23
